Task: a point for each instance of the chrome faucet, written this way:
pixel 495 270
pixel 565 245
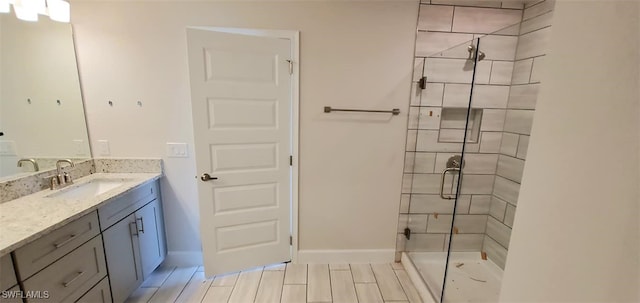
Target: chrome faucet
pixel 32 161
pixel 61 179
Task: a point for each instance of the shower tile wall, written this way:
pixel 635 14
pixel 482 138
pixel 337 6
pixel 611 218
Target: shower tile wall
pixel 444 25
pixel 525 84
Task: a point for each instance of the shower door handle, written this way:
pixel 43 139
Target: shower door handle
pixel 444 174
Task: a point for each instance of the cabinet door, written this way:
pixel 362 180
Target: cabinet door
pixel 98 294
pixel 151 236
pixel 121 250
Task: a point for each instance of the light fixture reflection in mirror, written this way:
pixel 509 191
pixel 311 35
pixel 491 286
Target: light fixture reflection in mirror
pixel 41 109
pixel 28 10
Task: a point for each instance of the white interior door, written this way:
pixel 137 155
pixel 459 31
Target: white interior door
pixel 241 100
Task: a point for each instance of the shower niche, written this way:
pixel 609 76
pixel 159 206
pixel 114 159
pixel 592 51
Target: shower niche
pixel 453 122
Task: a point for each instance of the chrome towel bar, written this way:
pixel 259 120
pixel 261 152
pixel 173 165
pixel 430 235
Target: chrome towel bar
pixel 395 111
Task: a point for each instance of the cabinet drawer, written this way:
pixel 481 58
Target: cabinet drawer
pixel 38 254
pixel 69 278
pixel 119 208
pixel 98 294
pixel 7 274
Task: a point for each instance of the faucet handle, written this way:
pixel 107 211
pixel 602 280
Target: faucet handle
pixel 67 178
pixel 54 182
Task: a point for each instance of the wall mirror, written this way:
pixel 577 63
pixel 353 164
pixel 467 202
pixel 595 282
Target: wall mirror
pixel 41 109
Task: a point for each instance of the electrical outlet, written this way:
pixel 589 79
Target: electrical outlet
pixel 78 145
pixel 177 150
pixel 103 148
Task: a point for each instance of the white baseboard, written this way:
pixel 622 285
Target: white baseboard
pixel 183 258
pixel 417 281
pixel 346 256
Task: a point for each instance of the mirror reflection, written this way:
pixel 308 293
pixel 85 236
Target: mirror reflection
pixel 41 110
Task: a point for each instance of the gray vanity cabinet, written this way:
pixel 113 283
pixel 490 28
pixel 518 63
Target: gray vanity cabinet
pixel 135 244
pixel 123 260
pixel 151 236
pixel 8 283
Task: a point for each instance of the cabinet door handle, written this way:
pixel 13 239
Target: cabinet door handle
pixel 65 242
pixel 78 275
pixel 135 227
pixel 141 219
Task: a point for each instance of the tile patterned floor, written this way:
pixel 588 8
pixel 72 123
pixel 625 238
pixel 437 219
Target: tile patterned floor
pixel 285 283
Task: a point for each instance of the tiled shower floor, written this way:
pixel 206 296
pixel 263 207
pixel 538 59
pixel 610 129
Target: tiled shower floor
pixel 470 278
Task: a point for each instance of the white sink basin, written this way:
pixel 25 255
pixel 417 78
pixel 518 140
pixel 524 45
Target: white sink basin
pixel 90 189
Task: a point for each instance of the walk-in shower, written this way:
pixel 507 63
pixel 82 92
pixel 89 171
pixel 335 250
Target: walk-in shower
pixel 476 80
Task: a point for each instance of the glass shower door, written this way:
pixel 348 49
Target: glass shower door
pixel 475 258
pixel 442 126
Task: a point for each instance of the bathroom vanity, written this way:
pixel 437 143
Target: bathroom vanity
pixel 94 241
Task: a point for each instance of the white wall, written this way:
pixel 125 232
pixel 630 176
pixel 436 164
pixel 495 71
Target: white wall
pixel 576 233
pixel 353 54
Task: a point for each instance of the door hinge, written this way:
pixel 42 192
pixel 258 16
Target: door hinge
pixel 290 67
pixel 290 160
pixel 423 82
pixel 290 240
pixel 407 233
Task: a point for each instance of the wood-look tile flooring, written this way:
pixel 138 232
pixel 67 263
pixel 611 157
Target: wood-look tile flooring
pixel 286 283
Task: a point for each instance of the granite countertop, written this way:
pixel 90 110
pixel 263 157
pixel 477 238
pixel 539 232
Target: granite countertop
pixel 28 218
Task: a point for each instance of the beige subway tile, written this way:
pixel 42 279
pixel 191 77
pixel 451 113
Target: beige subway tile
pixel 470 224
pixel 492 120
pixel 475 3
pixel 523 96
pixel 429 118
pixel 519 121
pixel 490 142
pixel 510 168
pixel 499 232
pixel 432 94
pixel 424 163
pixel 480 204
pixel 426 242
pixel 439 223
pixel 497 208
pixel 477 184
pixel 437 44
pixel 483 20
pixel 509 215
pixel 435 17
pixel 538 67
pixel 495 252
pixel 501 72
pixel 533 44
pixel 405 200
pixel 499 47
pixel 426 184
pixel 456 95
pixel 506 190
pixel 509 145
pixel 536 23
pixel 465 242
pixel 448 70
pixel 538 9
pixel 427 204
pixel 523 145
pixel 490 96
pixel 418 65
pixel 522 71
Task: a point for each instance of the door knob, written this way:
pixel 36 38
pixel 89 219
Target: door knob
pixel 207 177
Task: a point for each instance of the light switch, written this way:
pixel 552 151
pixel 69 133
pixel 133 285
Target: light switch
pixel 177 150
pixel 103 148
pixel 8 148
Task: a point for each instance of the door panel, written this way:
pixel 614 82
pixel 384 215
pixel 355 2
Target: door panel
pixel 241 102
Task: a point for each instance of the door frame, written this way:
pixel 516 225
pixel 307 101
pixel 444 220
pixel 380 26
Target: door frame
pixel 294 37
